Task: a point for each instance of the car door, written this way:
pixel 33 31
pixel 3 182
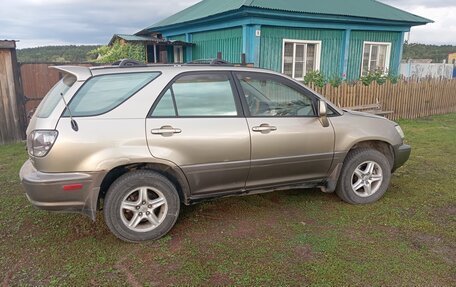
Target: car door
pixel 289 144
pixel 198 124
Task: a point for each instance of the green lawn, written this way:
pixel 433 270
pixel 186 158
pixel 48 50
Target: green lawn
pixel 300 237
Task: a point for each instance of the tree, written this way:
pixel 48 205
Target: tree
pixel 118 51
pixel 422 51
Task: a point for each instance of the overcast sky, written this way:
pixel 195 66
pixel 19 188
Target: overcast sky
pixel 58 22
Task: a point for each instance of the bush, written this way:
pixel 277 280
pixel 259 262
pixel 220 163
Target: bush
pixel 118 51
pixel 335 81
pixel 374 76
pixel 379 77
pixel 316 78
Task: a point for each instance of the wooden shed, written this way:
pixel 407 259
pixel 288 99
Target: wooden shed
pixel 12 123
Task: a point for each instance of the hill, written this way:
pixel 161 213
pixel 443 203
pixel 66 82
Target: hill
pixel 422 51
pixel 77 54
pixel 60 54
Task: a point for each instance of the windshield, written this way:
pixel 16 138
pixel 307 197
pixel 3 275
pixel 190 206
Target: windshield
pixel 53 97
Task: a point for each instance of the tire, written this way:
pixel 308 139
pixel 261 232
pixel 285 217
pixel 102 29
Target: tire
pixel 362 168
pixel 141 205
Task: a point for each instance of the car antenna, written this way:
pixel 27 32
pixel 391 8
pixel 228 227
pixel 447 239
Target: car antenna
pixel 74 124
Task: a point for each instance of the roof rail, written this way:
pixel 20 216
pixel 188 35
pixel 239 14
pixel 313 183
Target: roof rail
pixel 125 63
pixel 212 62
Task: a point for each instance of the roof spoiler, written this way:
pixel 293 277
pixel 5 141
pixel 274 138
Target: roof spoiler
pixel 80 72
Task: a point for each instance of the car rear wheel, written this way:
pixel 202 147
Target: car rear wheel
pixel 141 205
pixel 365 176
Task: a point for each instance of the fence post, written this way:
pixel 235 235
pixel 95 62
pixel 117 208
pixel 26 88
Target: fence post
pixel 12 127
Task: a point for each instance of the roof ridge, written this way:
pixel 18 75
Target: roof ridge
pixel 250 2
pixel 367 9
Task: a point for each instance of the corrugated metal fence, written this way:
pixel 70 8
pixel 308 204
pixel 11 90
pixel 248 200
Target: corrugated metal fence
pixel 427 70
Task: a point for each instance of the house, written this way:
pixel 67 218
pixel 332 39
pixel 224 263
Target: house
pixel 158 50
pixel 452 58
pixel 343 39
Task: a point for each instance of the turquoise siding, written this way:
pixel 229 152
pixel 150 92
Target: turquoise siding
pixel 227 41
pixel 272 45
pixel 357 40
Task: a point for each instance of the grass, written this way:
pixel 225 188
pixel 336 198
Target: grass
pixel 299 237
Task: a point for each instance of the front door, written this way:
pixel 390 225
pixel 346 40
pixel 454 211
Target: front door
pixel 197 124
pixel 289 144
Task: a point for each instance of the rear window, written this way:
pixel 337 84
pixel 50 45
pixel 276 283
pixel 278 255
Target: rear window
pixel 54 96
pixel 102 94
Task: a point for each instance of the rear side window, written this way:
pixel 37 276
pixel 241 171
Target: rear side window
pixel 102 94
pixel 198 95
pixel 54 96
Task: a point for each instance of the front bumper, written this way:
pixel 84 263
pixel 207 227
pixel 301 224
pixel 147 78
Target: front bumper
pixel 401 155
pixel 45 190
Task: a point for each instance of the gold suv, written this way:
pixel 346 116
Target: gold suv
pixel 137 141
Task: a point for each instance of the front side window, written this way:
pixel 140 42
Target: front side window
pixel 269 96
pixel 102 94
pixel 376 57
pixel 300 57
pixel 198 95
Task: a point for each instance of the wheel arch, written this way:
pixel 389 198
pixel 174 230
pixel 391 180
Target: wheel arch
pixel 378 144
pixel 172 173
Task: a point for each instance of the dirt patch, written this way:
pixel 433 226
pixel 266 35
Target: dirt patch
pixel 446 251
pixel 176 242
pixel 9 275
pixel 123 267
pixel 218 279
pixel 304 252
pixel 245 229
pixel 82 227
pixel 445 216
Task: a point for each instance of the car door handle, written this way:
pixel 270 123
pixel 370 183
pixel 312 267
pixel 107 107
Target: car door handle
pixel 264 128
pixel 166 130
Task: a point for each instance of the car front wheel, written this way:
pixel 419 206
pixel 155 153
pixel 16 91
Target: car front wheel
pixel 141 205
pixel 365 176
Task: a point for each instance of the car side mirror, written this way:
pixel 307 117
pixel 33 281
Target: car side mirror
pixel 323 113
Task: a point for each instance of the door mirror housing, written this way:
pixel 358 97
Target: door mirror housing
pixel 323 113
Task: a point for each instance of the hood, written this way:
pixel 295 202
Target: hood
pixel 363 114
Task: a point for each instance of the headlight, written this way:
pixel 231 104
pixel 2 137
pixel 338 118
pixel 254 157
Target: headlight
pixel 400 131
pixel 39 143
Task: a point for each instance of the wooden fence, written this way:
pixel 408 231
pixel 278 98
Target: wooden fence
pixel 12 119
pixel 408 99
pixel 38 79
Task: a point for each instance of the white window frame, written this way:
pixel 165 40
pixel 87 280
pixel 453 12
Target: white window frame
pixel 387 59
pixel 180 50
pixel 294 42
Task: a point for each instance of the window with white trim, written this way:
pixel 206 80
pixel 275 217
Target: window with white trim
pixel 376 56
pixel 300 57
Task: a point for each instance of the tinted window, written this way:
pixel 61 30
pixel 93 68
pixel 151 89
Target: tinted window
pixel 54 96
pixel 200 95
pixel 165 107
pixel 268 96
pixel 104 93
